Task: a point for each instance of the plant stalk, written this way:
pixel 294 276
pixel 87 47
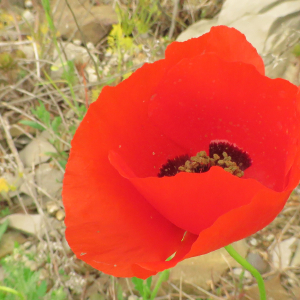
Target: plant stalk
pixel 244 263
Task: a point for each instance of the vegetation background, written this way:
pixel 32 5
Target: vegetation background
pixel 55 57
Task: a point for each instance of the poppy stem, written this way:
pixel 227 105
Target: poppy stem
pixel 243 262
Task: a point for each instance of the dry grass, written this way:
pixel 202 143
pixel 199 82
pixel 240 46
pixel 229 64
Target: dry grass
pixel 27 79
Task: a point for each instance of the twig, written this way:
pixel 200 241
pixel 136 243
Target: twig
pixel 36 55
pixel 83 40
pixel 11 144
pixel 174 15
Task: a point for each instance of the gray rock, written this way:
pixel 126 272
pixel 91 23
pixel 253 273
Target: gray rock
pixel 271 26
pixel 282 253
pixel 233 10
pixel 34 152
pixel 49 178
pixel 31 224
pixel 199 270
pixel 258 262
pixel 72 52
pixel 95 21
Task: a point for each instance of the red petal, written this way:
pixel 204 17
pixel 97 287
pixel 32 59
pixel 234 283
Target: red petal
pixel 233 102
pixel 109 224
pixel 193 201
pixel 227 43
pixel 232 226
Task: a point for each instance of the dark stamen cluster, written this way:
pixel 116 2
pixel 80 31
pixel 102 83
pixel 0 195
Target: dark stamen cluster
pixel 221 153
pixel 170 168
pixel 240 157
pixel 202 163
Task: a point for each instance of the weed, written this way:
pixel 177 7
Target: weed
pixel 22 281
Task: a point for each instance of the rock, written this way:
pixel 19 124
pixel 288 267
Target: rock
pixel 34 152
pixel 233 10
pixel 28 4
pixel 60 215
pixel 95 21
pixel 258 262
pixel 282 253
pixel 7 243
pixel 30 224
pixel 27 186
pixel 253 241
pixel 49 179
pixel 199 270
pixel 52 207
pixel 238 271
pixel 72 52
pixel 273 32
pixel 197 29
pixel 28 16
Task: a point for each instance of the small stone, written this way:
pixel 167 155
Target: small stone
pixel 270 237
pixel 77 42
pixel 90 45
pixel 253 242
pixel 258 262
pixel 28 4
pixel 60 215
pixel 282 253
pixel 28 16
pixel 52 207
pixel 238 271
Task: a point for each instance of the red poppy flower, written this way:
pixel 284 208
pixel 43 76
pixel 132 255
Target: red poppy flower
pixel 127 210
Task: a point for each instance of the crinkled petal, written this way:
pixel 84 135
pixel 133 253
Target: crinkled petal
pixel 227 43
pixel 109 223
pixel 233 102
pixel 192 201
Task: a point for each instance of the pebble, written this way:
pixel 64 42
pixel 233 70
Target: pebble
pixel 133 297
pixel 52 207
pixel 253 241
pixel 77 42
pixel 238 271
pixel 28 4
pixel 28 16
pixel 258 262
pixel 60 215
pixel 270 237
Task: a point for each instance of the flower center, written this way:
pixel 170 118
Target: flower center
pixel 221 153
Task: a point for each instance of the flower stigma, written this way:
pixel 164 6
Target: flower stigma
pixel 221 153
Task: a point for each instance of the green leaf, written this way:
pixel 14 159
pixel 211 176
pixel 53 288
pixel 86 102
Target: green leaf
pixel 42 289
pixel 55 124
pixel 42 114
pixel 138 285
pixel 32 124
pixel 3 228
pixel 63 163
pixel 149 282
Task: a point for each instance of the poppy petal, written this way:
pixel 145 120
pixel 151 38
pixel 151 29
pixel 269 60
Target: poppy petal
pixel 109 224
pixel 232 226
pixel 227 43
pixel 233 102
pixel 193 201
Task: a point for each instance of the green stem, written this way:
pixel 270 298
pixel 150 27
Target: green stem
pixel 162 277
pixel 12 291
pixel 243 262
